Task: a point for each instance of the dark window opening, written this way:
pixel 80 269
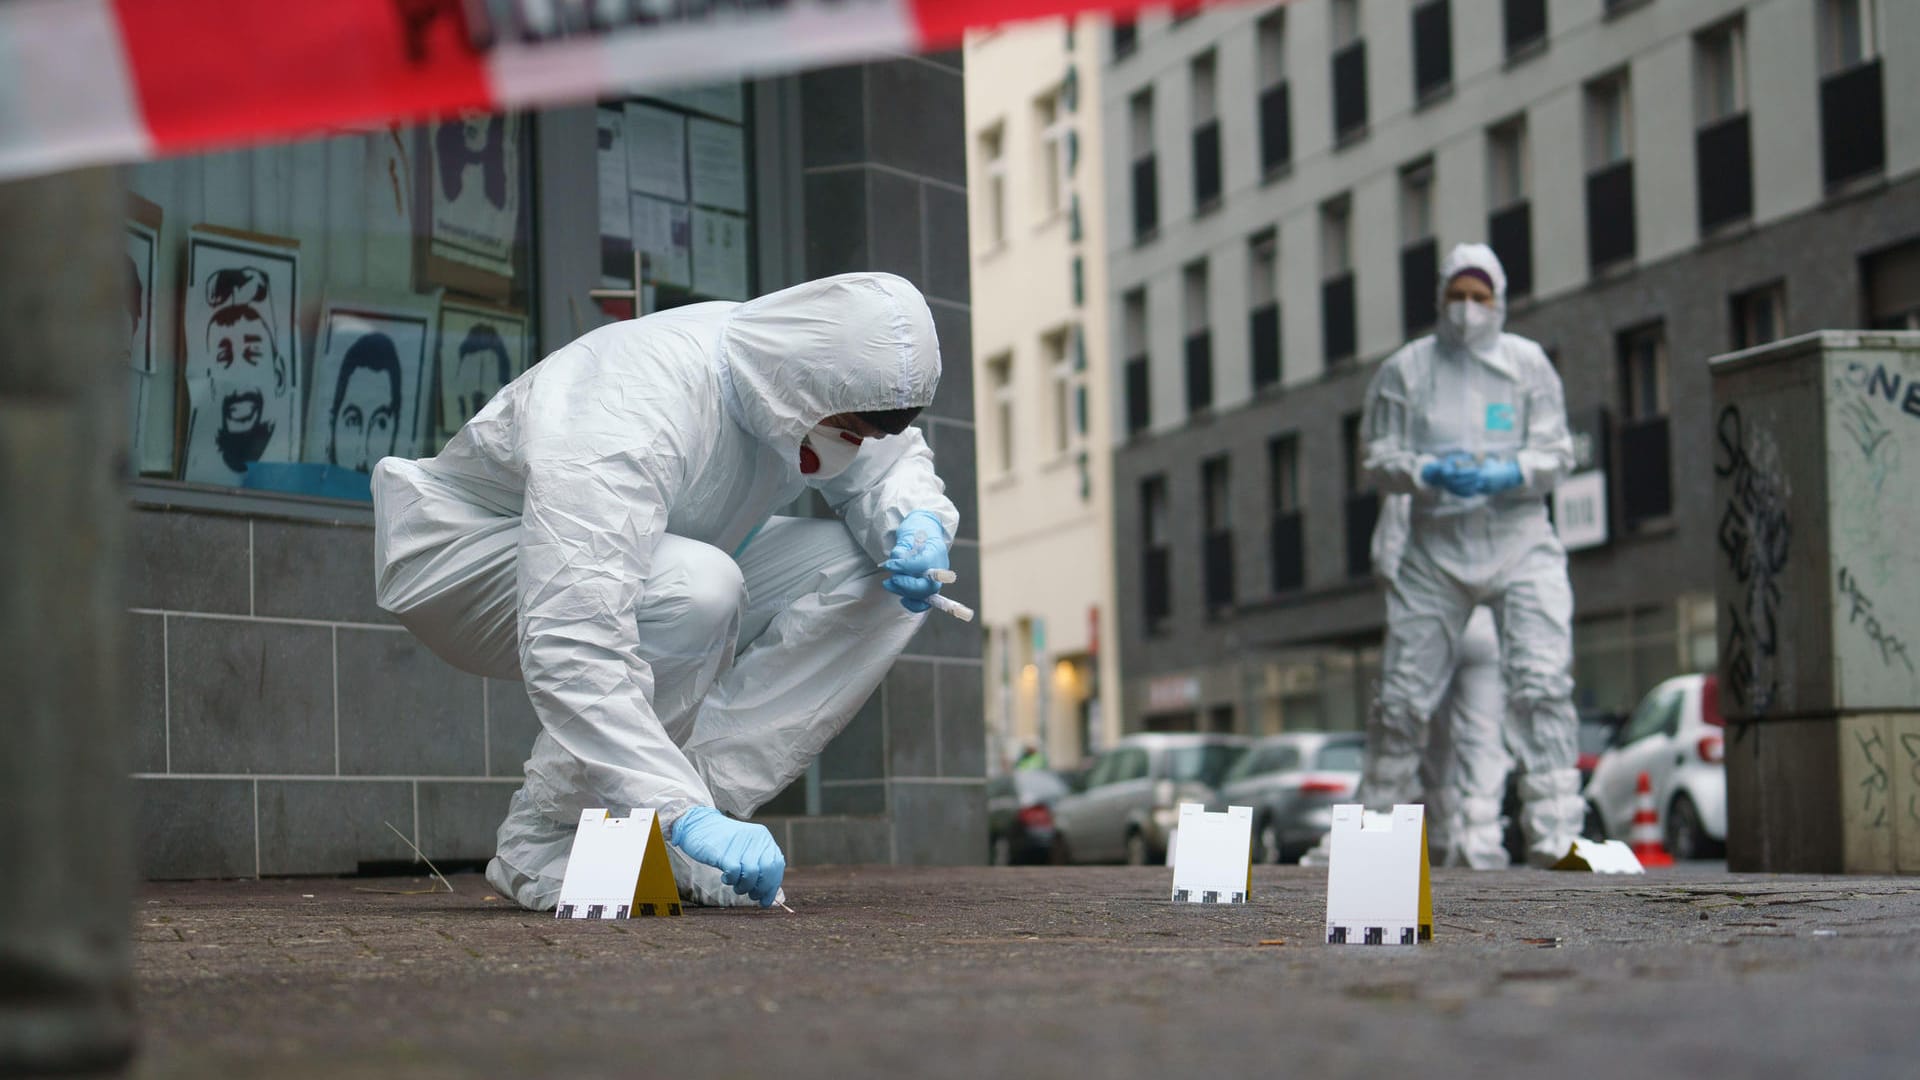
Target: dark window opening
pixel 1432 49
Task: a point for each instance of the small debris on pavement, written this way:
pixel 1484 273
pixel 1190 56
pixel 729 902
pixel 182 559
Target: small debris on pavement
pixel 1543 942
pixel 1274 941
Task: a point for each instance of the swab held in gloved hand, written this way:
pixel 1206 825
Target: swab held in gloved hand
pixel 941 603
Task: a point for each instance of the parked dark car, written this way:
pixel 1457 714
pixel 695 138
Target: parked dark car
pixel 1133 796
pixel 1292 782
pixel 1020 815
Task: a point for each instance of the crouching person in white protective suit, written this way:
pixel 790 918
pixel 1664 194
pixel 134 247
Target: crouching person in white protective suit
pixel 602 530
pixel 1471 423
pixel 1464 769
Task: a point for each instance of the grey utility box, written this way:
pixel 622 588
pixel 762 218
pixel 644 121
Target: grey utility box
pixel 1816 464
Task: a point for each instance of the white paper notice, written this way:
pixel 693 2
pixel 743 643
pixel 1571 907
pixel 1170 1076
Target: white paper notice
pixel 657 152
pixel 719 255
pixel 613 174
pixel 718 153
pixel 664 230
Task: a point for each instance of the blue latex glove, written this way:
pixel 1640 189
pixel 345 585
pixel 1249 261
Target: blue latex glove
pixel 743 852
pixel 1498 476
pixel 919 545
pixel 1456 474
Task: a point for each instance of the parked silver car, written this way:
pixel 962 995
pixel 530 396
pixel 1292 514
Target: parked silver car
pixel 1292 782
pixel 1133 795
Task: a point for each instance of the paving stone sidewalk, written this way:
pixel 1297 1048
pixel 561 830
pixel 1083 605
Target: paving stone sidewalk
pixel 1038 972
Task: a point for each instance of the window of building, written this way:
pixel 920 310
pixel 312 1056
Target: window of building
pixel 1276 121
pixel 1363 504
pixel 993 158
pixel 1510 218
pixel 1133 340
pixel 1338 327
pixel 1054 121
pixel 1610 209
pixel 1156 540
pixel 1263 305
pixel 1525 26
pixel 1759 315
pixel 1067 380
pixel 1287 542
pixel 1216 489
pixel 1000 383
pixel 1419 250
pixel 1646 488
pixel 1723 141
pixel 1206 131
pixel 1195 305
pixel 1852 92
pixel 1432 49
pixel 1892 278
pixel 1349 72
pixel 297 312
pixel 1126 39
pixel 1146 180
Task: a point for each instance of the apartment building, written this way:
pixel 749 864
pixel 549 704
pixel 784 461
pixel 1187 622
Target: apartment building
pixel 1665 181
pixel 1040 359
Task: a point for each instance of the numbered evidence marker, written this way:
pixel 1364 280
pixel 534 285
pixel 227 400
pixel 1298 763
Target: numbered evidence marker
pixel 618 869
pixel 1213 863
pixel 1379 891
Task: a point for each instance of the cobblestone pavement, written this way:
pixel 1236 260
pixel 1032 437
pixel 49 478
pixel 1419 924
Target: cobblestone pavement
pixel 1038 972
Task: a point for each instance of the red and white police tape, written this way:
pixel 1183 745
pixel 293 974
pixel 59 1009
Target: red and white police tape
pixel 87 82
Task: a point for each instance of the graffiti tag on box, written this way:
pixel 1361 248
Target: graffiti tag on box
pixel 1754 535
pixel 1891 646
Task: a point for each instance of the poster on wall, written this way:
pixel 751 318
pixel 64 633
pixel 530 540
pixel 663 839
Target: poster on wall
pixel 368 396
pixel 717 154
pixel 656 151
pixel 719 255
pixel 481 349
pixel 143 258
pixel 240 349
pixel 664 232
pixel 473 190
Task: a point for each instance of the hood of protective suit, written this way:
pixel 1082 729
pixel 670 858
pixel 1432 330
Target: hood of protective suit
pixel 850 343
pixel 1474 257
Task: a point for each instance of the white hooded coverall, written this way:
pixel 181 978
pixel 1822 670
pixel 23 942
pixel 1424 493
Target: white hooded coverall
pixel 1498 400
pixel 602 530
pixel 1463 771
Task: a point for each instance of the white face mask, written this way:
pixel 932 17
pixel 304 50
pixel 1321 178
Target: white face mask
pixel 1477 326
pixel 829 450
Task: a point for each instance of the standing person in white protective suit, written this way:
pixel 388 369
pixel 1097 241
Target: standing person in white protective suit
pixel 1463 771
pixel 1471 423
pixel 602 529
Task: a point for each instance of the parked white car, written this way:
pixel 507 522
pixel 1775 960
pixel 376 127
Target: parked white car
pixel 1677 737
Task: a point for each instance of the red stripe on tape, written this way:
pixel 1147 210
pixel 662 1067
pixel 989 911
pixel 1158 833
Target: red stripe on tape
pixel 217 72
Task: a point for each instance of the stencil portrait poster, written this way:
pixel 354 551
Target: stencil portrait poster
pixel 240 350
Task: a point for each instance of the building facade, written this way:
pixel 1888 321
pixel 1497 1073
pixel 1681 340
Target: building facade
pixel 283 723
pixel 1040 377
pixel 1664 181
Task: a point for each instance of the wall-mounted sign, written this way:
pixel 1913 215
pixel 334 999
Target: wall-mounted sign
pixel 1580 510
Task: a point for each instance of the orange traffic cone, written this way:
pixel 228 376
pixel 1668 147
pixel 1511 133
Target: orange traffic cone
pixel 1645 834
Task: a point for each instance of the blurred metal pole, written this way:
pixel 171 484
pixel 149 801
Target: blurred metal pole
pixel 66 857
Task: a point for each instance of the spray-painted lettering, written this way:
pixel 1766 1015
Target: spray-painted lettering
pixel 1862 422
pixel 1910 742
pixel 1891 646
pixel 1875 785
pixel 1755 535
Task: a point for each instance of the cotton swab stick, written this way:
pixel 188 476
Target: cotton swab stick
pixel 952 607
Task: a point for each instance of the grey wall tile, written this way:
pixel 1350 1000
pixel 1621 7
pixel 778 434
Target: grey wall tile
pixel 789 802
pixel 833 110
pixel 954 325
pixel 859 751
pixel 146 692
pixel 836 222
pixel 963 726
pixel 187 562
pixel 866 799
pixel 911 744
pixel 404 710
pixel 459 818
pixel 894 226
pixel 332 826
pixel 943 635
pixel 948 267
pixel 195 828
pixel 838 841
pixel 916 120
pixel 310 570
pixel 511 727
pixel 940 824
pixel 953 457
pixel 250 697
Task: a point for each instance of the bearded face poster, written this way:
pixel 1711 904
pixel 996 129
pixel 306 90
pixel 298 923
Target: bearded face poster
pixel 240 348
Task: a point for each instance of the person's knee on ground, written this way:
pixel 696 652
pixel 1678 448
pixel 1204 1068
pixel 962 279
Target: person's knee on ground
pixel 530 859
